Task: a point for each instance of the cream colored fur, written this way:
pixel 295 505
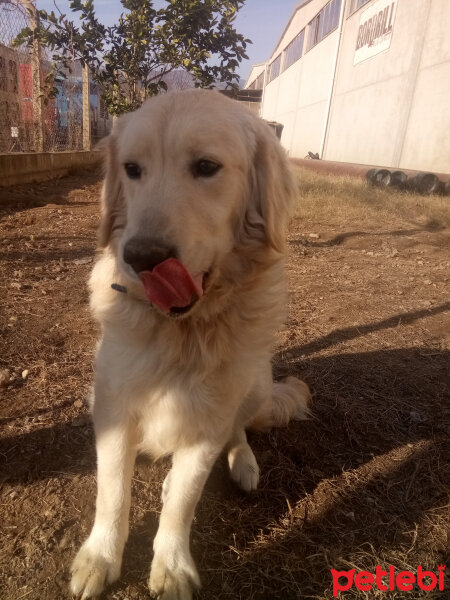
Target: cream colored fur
pixel 186 387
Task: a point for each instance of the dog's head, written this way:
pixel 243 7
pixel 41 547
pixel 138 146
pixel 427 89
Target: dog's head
pixel 190 177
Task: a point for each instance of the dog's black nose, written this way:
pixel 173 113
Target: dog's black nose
pixel 143 254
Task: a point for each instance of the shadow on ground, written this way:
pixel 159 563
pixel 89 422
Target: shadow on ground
pixel 382 408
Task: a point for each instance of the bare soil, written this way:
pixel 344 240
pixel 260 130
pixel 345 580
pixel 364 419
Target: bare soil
pixel 366 482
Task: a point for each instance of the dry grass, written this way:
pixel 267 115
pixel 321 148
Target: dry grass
pixel 365 482
pixel 355 201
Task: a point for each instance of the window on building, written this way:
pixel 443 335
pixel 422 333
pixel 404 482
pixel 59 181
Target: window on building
pixel 323 23
pixel 2 74
pixel 274 68
pixel 4 111
pixel 13 83
pixel 294 50
pixel 258 83
pixel 14 113
pixel 357 4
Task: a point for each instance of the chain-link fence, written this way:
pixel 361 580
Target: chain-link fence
pixel 30 122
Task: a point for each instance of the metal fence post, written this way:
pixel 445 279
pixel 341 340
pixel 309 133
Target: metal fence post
pixel 86 110
pixel 38 117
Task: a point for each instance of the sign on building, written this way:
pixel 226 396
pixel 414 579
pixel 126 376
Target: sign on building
pixel 375 29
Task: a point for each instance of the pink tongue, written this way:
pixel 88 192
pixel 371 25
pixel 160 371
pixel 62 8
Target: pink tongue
pixel 170 285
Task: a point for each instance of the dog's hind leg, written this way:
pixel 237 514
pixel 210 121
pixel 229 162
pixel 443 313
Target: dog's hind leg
pixel 289 401
pixel 267 405
pixel 244 469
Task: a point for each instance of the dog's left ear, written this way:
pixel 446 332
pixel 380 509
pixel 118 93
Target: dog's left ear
pixel 111 199
pixel 273 189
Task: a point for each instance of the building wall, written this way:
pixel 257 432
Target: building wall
pixel 390 109
pixel 298 98
pixel 393 108
pixel 256 76
pixel 427 141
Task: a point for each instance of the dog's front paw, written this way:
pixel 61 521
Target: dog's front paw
pixel 91 571
pixel 244 469
pixel 174 579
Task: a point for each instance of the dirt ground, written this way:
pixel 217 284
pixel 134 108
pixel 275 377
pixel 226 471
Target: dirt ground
pixel 366 482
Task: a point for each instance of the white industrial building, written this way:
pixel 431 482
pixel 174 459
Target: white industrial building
pixel 363 81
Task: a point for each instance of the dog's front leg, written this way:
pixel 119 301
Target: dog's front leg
pixel 173 572
pixel 100 557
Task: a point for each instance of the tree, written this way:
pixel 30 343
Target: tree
pixel 131 59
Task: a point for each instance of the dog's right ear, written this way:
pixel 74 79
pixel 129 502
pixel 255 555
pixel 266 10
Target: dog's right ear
pixel 111 199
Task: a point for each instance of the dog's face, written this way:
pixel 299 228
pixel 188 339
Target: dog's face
pixel 190 175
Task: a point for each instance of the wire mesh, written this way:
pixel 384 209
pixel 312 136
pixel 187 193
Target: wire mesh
pixel 30 121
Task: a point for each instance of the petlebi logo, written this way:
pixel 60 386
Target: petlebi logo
pixel 390 580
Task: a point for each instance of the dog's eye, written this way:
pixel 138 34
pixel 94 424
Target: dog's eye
pixel 205 168
pixel 132 170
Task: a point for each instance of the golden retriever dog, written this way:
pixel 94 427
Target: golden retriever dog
pixel 189 291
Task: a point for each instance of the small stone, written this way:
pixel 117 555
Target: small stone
pixel 5 377
pixel 16 285
pixel 78 404
pixel 64 541
pixel 416 417
pixel 25 373
pixel 314 235
pixel 369 253
pixel 427 282
pixel 80 421
pixel 82 261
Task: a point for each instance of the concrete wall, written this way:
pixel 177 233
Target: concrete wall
pixel 393 108
pixel 298 98
pixel 427 141
pixel 26 168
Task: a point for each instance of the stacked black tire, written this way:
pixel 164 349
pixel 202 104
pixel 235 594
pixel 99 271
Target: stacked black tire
pixel 422 183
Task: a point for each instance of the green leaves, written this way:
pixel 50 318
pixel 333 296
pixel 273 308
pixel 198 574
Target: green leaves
pixel 131 59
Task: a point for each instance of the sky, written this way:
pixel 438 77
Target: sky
pixel 262 21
